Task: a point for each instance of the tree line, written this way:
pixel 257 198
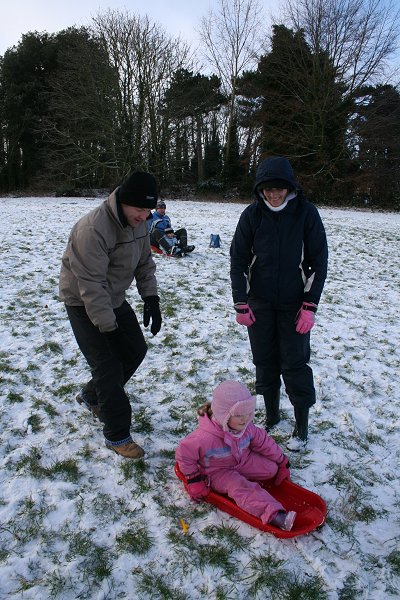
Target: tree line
pixel 81 108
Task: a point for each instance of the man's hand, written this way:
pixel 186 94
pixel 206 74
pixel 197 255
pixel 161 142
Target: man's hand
pixel 118 343
pixel 151 310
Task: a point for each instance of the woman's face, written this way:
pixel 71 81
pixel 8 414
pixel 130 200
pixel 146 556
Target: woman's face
pixel 275 196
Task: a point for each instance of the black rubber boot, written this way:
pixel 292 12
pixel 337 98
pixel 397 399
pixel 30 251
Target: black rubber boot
pixel 299 437
pixel 272 399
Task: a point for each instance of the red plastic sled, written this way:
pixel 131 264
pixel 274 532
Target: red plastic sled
pixel 310 508
pixel 158 251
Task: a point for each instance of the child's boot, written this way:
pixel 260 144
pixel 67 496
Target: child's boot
pixel 271 399
pixel 284 520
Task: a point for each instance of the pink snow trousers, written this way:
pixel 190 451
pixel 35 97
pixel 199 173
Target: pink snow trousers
pixel 249 495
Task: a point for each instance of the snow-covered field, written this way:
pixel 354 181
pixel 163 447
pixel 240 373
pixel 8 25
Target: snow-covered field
pixel 77 521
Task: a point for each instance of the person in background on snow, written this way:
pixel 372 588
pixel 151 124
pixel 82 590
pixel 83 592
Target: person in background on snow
pixel 169 243
pixel 279 258
pixel 227 450
pixel 159 222
pixel 108 249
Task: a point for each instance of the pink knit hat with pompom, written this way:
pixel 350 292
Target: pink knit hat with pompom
pixel 231 398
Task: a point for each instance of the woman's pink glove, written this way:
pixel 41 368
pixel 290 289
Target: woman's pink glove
pixel 244 314
pixel 283 471
pixel 305 318
pixel 197 490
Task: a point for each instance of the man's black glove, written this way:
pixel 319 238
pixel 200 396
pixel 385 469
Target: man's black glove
pixel 118 343
pixel 151 310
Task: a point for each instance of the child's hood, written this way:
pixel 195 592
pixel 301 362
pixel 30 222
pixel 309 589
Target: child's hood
pixel 210 426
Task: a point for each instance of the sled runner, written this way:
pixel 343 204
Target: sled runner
pixel 310 508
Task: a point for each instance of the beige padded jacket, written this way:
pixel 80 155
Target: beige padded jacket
pixel 100 262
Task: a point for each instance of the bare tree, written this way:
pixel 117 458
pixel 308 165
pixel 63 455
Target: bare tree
pixel 231 34
pixel 145 59
pixel 359 36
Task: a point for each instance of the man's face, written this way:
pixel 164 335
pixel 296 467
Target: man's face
pixel 275 196
pixel 135 215
pixel 161 210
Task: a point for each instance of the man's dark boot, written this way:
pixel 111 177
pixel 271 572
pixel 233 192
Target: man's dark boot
pixel 272 399
pixel 299 437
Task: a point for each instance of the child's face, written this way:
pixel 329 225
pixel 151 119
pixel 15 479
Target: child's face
pixel 170 234
pixel 239 422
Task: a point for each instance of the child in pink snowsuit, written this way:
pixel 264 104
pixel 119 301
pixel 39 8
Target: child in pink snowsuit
pixel 228 453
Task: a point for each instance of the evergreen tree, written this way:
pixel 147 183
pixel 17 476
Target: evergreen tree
pixel 376 139
pixel 295 104
pixel 188 102
pixel 25 74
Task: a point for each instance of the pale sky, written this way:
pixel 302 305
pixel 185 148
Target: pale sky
pixel 178 17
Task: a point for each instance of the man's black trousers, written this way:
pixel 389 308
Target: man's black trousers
pixel 109 375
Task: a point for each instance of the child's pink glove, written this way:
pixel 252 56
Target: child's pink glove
pixel 283 471
pixel 197 488
pixel 305 318
pixel 244 314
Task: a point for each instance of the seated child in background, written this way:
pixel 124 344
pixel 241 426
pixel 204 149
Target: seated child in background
pixel 229 453
pixel 169 243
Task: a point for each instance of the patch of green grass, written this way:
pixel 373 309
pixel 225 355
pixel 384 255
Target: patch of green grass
pixel 79 544
pixel 295 587
pixel 228 534
pixel 96 566
pixel 350 590
pixel 86 452
pixel 71 362
pixel 167 400
pixel 131 469
pixel 68 468
pixel 46 406
pixel 30 516
pixel 14 397
pixel 169 310
pixel 5 367
pixel 393 560
pixel 57 583
pixel 373 438
pixel 170 340
pixel 217 556
pixel 157 587
pixel 52 347
pixel 267 573
pixel 4 553
pixel 141 420
pixel 35 422
pixel 109 507
pixel 65 390
pixel 164 453
pixel 135 540
pixel 324 425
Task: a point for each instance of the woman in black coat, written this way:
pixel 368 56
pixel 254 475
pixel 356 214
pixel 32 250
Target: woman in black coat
pixel 279 258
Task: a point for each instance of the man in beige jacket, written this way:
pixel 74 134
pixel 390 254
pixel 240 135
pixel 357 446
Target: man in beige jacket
pixel 107 249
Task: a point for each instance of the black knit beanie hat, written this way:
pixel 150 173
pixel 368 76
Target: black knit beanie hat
pixel 140 189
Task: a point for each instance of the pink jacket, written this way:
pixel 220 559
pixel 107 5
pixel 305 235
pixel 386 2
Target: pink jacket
pixel 209 449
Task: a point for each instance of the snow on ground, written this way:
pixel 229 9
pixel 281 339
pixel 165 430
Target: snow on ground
pixel 77 521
